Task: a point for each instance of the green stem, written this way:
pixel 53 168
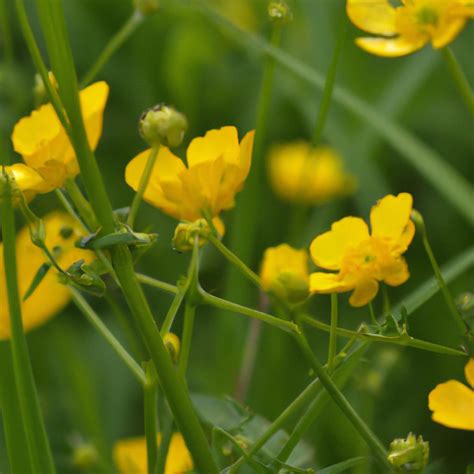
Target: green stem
pixel 69 208
pixel 461 325
pixel 244 269
pixel 6 32
pixel 333 333
pixel 82 204
pixel 112 46
pixel 159 285
pixel 32 419
pixel 373 318
pixel 101 328
pixel 145 177
pixel 401 340
pixel 189 316
pixel 151 415
pixel 459 78
pixel 172 311
pixel 357 422
pixel 237 308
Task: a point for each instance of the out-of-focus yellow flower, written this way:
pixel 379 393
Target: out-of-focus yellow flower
pixel 409 27
pixel 284 272
pixel 243 13
pixel 299 173
pixel 131 458
pixel 362 259
pixel 27 180
pixel 43 143
pixel 217 168
pixel 452 402
pixel 50 297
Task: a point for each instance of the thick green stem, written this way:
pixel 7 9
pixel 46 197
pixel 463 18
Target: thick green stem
pixel 145 177
pixel 31 417
pixel 82 204
pixel 189 316
pixel 112 46
pixel 356 421
pixel 104 332
pixel 333 333
pixel 151 415
pixel 459 78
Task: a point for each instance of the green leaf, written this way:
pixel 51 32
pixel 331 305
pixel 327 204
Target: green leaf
pixel 37 279
pixel 344 465
pixel 122 237
pixel 84 277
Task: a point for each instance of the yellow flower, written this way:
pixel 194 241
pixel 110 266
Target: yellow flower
pixel 452 402
pixel 27 180
pixel 43 143
pixel 284 272
pixel 50 297
pixel 131 458
pixel 409 27
pixel 217 168
pixel 362 259
pixel 299 173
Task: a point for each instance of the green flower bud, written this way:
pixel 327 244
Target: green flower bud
pixel 173 345
pixel 279 13
pixel 290 287
pixel 163 125
pixel 419 222
pixel 146 7
pixel 410 454
pixel 186 232
pixel 85 456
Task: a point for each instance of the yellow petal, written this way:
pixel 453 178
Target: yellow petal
pixel 469 372
pixel 130 456
pixel 448 32
pixel 364 293
pixel 328 249
pixel 50 297
pixel 245 155
pixel 397 273
pixel 390 47
pixel 223 142
pixel 93 101
pixel 28 179
pixel 374 16
pixel 452 404
pixel 389 218
pixel 327 283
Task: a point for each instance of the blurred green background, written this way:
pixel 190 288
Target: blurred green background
pixel 179 57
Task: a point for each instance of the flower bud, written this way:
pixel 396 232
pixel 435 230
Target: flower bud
pixel 419 222
pixel 173 345
pixel 410 454
pixel 85 456
pixel 8 187
pixel 186 232
pixel 279 13
pixel 146 7
pixel 290 287
pixel 163 125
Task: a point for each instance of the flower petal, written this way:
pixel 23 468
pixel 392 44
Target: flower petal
pixel 375 16
pixel 327 283
pixel 93 101
pixel 469 372
pixel 390 47
pixel 452 404
pixel 364 293
pixel 448 32
pixel 28 179
pixel 328 249
pixel 390 216
pixel 397 273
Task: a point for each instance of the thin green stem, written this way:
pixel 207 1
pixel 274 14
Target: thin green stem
pixel 145 177
pixel 373 318
pixel 158 284
pixel 104 332
pixel 401 340
pixel 333 333
pixel 6 32
pixel 113 45
pixel 189 316
pixel 172 311
pixel 151 415
pixel 82 204
pixel 252 313
pixel 70 208
pixel 244 269
pixel 356 421
pixel 459 78
pixel 31 417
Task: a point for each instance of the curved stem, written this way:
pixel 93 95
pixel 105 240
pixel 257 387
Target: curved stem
pixel 158 284
pixel 112 46
pixel 333 333
pixel 459 78
pixel 145 177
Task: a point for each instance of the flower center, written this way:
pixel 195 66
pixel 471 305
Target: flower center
pixel 427 16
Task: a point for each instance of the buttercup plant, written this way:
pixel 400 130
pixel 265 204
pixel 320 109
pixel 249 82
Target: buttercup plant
pixel 92 253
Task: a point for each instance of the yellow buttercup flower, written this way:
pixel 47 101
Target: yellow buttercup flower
pixel 43 143
pixel 50 297
pixel 27 180
pixel 300 173
pixel 131 458
pixel 284 272
pixel 409 27
pixel 362 259
pixel 217 168
pixel 452 402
